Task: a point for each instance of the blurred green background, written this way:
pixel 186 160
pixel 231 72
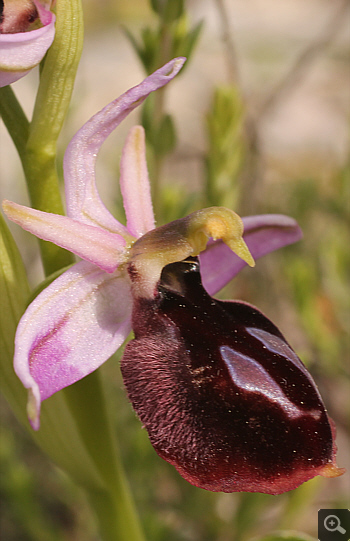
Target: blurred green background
pixel 262 122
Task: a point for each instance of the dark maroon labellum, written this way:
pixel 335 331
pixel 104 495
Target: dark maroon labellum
pixel 222 395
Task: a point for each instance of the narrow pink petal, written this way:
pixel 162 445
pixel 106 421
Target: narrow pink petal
pixel 43 8
pixel 88 242
pixel 22 51
pixel 69 330
pixel 83 201
pixel 263 234
pixel 134 184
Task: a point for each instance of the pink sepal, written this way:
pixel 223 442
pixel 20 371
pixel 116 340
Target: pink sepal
pixel 69 330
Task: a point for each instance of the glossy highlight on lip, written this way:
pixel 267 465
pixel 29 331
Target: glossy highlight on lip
pixel 251 377
pixel 230 413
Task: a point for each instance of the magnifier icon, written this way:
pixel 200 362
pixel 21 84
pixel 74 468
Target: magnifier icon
pixel 332 524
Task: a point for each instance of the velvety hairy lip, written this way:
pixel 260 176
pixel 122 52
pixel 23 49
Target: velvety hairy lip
pixel 221 393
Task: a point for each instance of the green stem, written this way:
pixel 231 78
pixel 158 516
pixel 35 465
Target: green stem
pixel 53 98
pixel 114 506
pixel 117 522
pixel 164 55
pixel 14 119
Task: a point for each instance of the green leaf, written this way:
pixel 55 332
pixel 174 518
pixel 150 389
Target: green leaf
pixel 14 119
pixel 14 292
pixel 184 39
pixel 19 494
pixel 146 51
pixel 151 44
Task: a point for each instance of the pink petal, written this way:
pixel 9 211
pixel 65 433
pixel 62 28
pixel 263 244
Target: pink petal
pixel 263 234
pixel 43 8
pixel 88 242
pixel 22 51
pixel 69 330
pixel 83 201
pixel 134 184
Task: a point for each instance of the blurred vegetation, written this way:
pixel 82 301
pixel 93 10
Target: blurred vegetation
pixel 304 289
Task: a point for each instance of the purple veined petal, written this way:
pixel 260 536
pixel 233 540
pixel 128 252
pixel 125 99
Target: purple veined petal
pixel 262 233
pixel 88 242
pixel 134 184
pixel 82 199
pixel 22 51
pixel 69 330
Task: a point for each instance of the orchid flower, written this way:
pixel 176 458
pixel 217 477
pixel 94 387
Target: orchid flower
pixel 139 277
pixel 21 49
